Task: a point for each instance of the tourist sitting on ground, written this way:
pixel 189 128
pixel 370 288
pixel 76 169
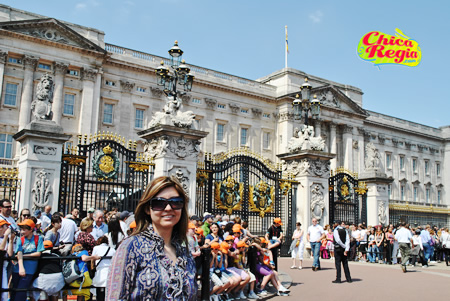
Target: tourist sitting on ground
pixel 265 272
pixel 50 278
pixel 102 267
pixel 235 265
pixel 29 245
pixel 220 279
pixel 85 237
pixel 115 234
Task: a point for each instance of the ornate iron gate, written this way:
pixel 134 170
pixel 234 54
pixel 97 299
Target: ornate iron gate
pixel 103 172
pixel 348 198
pixel 244 184
pixel 10 185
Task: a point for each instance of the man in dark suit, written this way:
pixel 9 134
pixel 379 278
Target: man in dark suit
pixel 341 247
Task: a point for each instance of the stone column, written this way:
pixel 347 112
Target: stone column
pixel 362 140
pixel 58 98
pixel 3 56
pixel 96 102
pixel 30 63
pixel 175 152
pixel 87 100
pixel 333 145
pixel 348 147
pixel 125 108
pixel 377 197
pixel 317 127
pixel 311 170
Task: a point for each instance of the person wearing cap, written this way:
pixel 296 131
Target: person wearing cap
pixel 90 213
pixel 6 246
pixel 208 220
pixel 236 267
pixel 50 278
pixel 124 215
pixel 192 241
pixel 275 236
pixel 341 248
pixel 196 221
pixel 29 245
pixel 241 263
pixel 216 274
pixel 315 234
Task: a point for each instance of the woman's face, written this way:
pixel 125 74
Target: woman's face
pixel 168 217
pixel 214 229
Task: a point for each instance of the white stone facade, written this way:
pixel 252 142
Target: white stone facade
pixel 103 87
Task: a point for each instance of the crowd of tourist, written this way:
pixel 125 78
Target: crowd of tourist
pixel 377 244
pixel 233 273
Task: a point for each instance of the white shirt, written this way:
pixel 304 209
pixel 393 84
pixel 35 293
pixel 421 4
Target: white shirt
pixel 417 240
pixel 124 227
pixel 403 235
pixel 356 234
pixel 103 267
pixel 315 232
pixel 67 231
pixel 45 221
pixel 10 220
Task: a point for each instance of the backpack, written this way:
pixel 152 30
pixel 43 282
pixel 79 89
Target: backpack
pixel 36 240
pixel 71 271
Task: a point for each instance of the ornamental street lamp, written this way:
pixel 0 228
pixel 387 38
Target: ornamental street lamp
pixel 180 73
pixel 305 104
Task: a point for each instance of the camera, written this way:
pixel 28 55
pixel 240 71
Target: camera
pixel 16 232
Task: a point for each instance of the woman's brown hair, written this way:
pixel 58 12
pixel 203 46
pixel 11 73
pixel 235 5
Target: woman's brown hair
pixel 143 219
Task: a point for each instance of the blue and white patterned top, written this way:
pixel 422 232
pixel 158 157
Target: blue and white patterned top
pixel 140 270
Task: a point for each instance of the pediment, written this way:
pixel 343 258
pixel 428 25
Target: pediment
pixel 51 30
pixel 332 97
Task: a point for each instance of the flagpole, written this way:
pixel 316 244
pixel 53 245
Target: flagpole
pixel 286 49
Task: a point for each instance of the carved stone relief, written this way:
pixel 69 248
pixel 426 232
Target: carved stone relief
pixel 395 142
pixel 257 112
pixel 297 168
pixel 381 138
pixel 30 62
pixel 186 99
pixel 210 103
pixel 184 148
pixel 372 161
pixel 304 140
pixel 156 147
pixel 126 86
pixel 156 92
pixel 183 176
pixel 285 116
pixel 382 218
pixel 60 68
pixel 317 202
pixel 320 167
pixel 45 150
pixel 327 97
pixel 88 74
pixel 234 108
pixel 3 56
pixel 41 190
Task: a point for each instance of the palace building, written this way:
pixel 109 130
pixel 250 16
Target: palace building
pixel 111 88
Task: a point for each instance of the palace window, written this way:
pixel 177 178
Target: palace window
pixel 438 169
pixel 110 83
pixel 44 66
pixel 220 132
pixel 389 191
pixel 266 115
pixel 139 119
pixel 402 162
pixel 196 100
pixel 388 161
pixel 221 106
pixel 415 194
pixel 427 195
pixel 244 136
pixel 439 194
pixel 6 143
pixel 73 72
pixel 402 192
pixel 69 104
pixel 141 89
pixel 15 60
pixel 11 94
pixel 245 111
pixel 266 140
pixel 414 164
pixel 427 167
pixel 108 110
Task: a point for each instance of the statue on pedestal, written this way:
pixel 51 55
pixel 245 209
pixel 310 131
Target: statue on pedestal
pixel 41 107
pixel 176 117
pixel 372 161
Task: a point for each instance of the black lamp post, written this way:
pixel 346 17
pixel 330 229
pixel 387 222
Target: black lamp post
pixel 305 104
pixel 178 75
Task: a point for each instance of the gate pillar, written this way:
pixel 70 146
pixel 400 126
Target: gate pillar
pixel 311 169
pixel 41 146
pixel 175 152
pixel 377 197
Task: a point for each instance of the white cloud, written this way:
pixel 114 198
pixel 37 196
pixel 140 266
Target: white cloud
pixel 80 6
pixel 316 16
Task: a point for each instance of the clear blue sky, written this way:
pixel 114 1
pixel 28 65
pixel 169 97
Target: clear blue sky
pixel 246 38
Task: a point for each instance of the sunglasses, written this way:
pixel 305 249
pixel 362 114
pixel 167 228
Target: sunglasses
pixel 25 215
pixel 159 204
pixel 7 206
pixel 230 240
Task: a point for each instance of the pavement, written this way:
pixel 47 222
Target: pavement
pixel 371 281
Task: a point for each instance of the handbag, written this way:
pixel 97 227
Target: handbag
pixel 298 243
pixel 93 269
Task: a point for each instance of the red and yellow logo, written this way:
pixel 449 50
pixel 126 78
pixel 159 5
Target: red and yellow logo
pixel 380 48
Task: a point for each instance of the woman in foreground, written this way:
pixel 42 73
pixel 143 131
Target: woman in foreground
pixel 154 263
